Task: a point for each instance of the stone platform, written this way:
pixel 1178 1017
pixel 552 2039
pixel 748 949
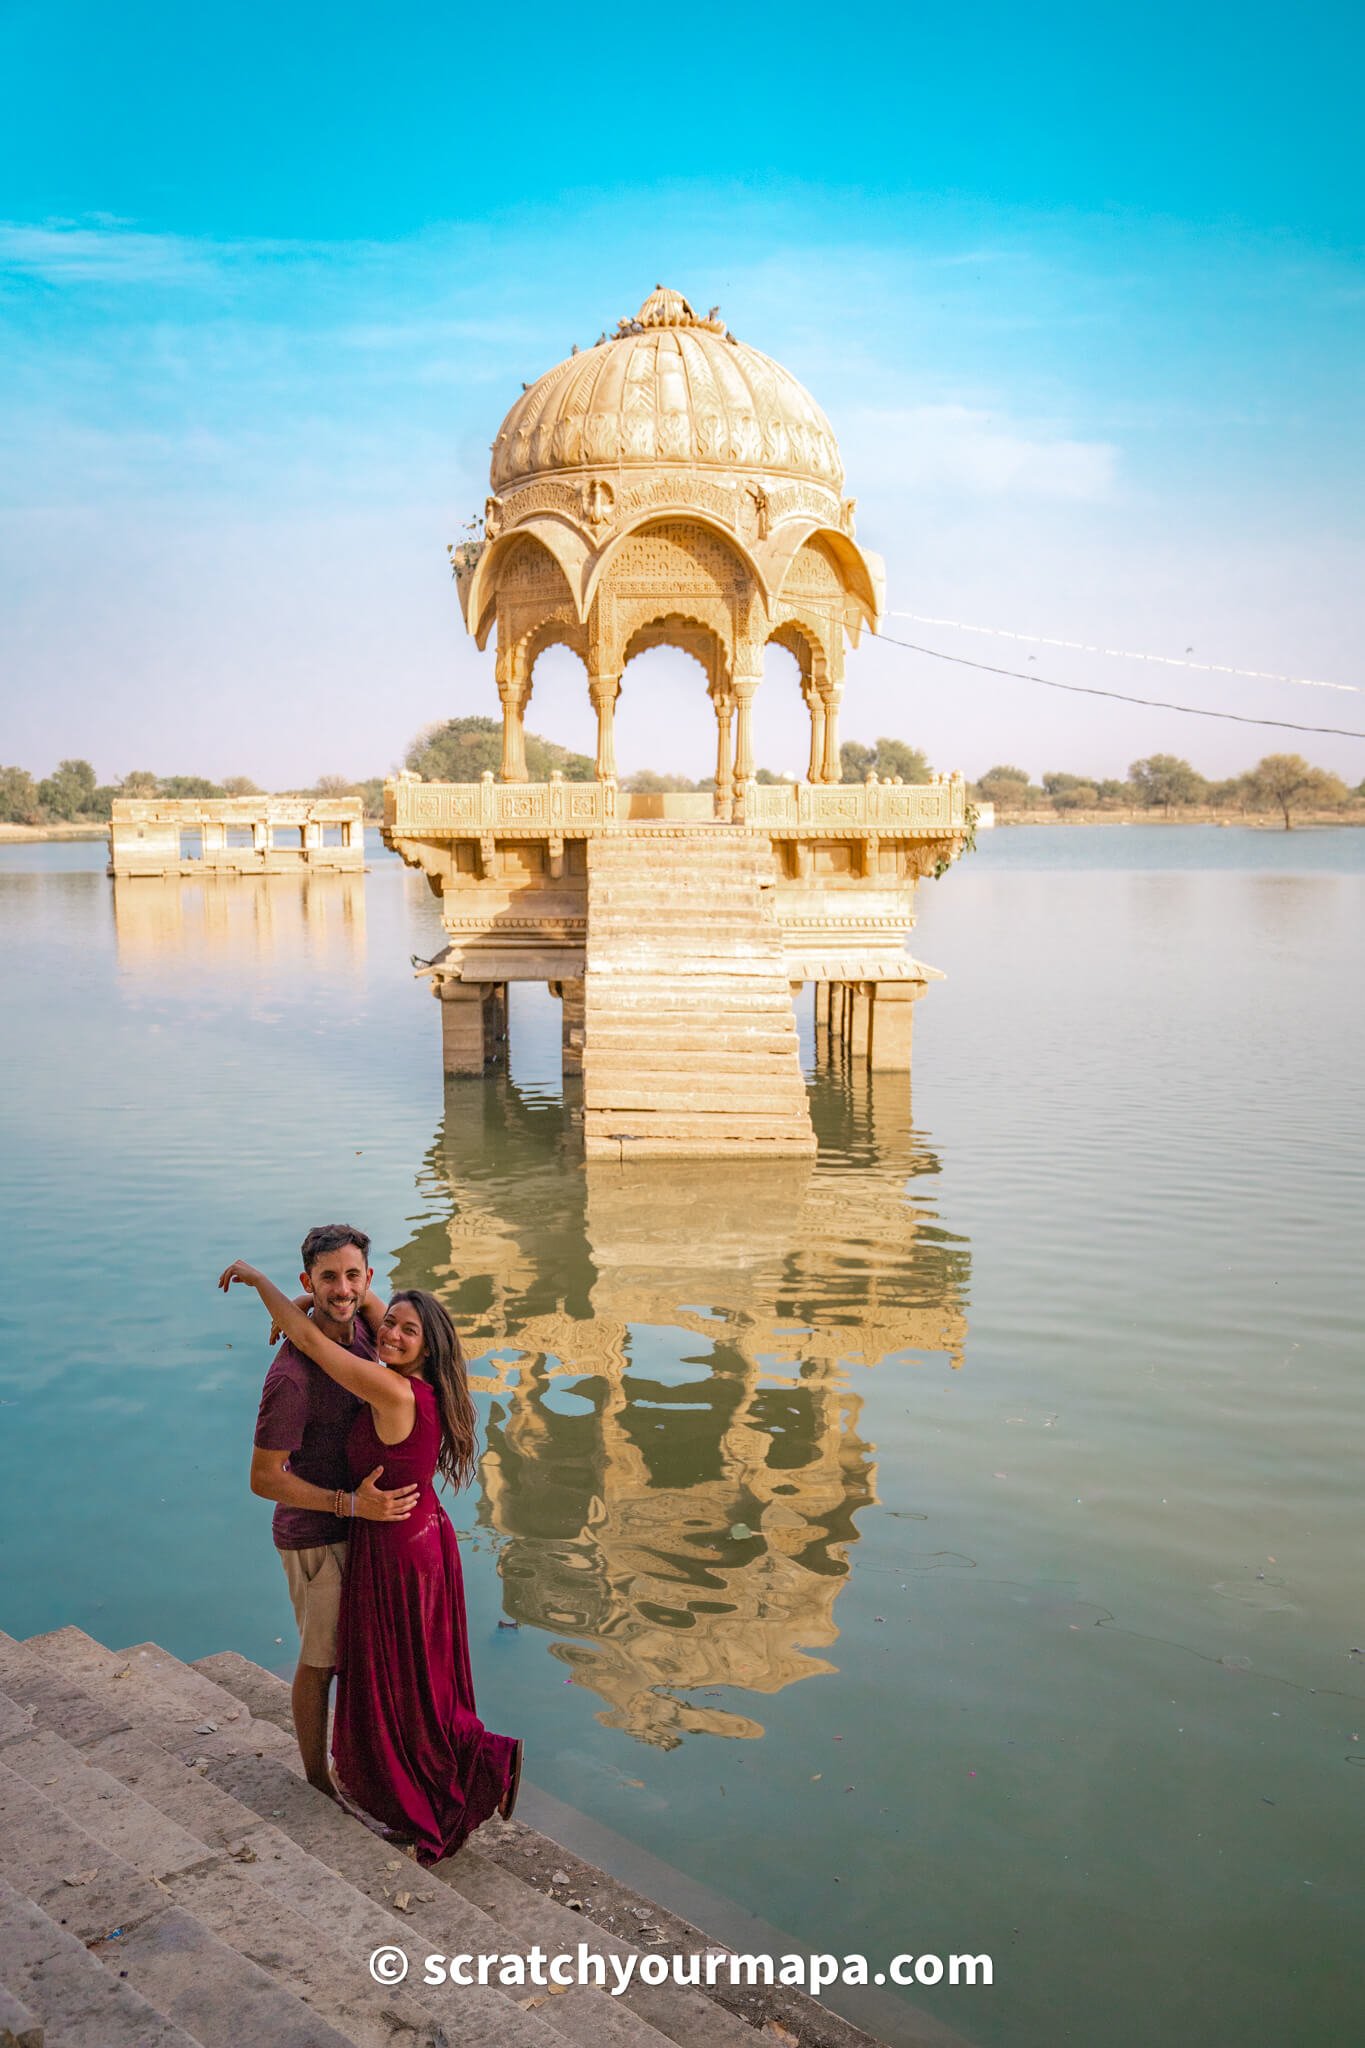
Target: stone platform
pixel 168 1878
pixel 677 940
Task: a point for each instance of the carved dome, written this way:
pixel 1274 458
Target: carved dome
pixel 668 387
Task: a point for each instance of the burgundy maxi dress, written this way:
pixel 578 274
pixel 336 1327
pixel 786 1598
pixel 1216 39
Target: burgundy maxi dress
pixel 408 1744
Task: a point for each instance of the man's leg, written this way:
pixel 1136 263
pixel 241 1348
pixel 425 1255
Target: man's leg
pixel 310 1694
pixel 315 1587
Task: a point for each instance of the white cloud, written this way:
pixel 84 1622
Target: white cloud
pixel 70 252
pixel 958 448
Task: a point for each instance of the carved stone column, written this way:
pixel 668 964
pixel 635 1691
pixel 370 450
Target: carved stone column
pixel 832 767
pixel 604 691
pixel 815 704
pixel 514 698
pixel 745 686
pixel 725 793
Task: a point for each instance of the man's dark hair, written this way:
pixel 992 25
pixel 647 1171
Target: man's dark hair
pixel 332 1237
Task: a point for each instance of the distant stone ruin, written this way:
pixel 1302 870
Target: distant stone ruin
pixel 240 835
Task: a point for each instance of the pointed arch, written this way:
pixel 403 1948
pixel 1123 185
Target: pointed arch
pixel 657 519
pixel 564 545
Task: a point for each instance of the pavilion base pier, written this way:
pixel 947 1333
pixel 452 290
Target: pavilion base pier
pixel 675 941
pixel 570 994
pixel 473 1024
pixel 870 1023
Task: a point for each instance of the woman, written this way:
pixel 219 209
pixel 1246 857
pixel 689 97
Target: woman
pixel 407 1743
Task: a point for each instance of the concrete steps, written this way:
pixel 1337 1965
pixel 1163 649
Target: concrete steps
pixel 168 1878
pixel 690 1046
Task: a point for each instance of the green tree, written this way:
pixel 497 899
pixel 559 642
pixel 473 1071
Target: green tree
pixel 1286 783
pixel 1070 792
pixel 456 750
pixel 1164 780
pixel 69 792
pixel 241 785
pixel 888 759
pixel 892 758
pixel 463 749
pixel 371 794
pixel 1112 795
pixel 184 786
pixel 1230 794
pixel 19 801
pixel 543 757
pixel 1009 789
pixel 139 782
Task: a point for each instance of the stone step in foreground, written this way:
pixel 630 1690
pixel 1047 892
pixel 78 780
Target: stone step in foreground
pixel 159 1811
pixel 550 1867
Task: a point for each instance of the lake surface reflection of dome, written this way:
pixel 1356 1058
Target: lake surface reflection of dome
pixel 674 1464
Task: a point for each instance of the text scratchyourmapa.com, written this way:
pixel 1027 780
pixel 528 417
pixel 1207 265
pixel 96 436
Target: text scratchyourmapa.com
pixel 560 1970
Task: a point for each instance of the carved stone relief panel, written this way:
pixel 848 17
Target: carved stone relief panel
pixel 675 555
pixel 813 574
pixel 531 571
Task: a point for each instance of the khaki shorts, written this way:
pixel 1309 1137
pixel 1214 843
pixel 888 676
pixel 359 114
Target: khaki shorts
pixel 314 1577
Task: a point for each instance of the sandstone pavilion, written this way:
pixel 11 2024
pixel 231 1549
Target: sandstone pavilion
pixel 673 486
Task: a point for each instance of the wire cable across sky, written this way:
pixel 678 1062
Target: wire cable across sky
pixel 1119 696
pixel 1211 668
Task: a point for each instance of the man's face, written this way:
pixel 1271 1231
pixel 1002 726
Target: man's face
pixel 339 1282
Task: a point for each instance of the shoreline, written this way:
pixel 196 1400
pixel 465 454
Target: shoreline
pixel 1259 822
pixel 29 835
pixel 26 835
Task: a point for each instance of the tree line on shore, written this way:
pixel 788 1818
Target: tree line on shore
pixel 464 749
pixel 1283 783
pixel 70 795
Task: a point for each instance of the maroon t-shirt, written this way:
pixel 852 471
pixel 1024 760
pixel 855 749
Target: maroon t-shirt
pixel 308 1415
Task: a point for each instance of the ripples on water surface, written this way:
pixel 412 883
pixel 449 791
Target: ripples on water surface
pixel 972 1518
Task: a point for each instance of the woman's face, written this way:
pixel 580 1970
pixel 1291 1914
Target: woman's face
pixel 399 1341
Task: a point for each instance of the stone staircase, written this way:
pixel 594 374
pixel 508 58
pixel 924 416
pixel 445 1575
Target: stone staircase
pixel 169 1878
pixel 690 1043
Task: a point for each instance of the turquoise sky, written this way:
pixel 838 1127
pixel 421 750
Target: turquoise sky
pixel 1080 292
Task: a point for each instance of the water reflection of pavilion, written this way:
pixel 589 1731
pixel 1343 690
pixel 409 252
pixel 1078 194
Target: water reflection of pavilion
pixel 217 923
pixel 674 1458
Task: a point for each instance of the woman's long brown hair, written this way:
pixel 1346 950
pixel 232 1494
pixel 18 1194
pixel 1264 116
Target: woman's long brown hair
pixel 443 1365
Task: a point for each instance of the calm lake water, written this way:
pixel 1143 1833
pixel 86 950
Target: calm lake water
pixel 952 1547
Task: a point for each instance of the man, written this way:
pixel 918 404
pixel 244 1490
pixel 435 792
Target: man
pixel 299 1462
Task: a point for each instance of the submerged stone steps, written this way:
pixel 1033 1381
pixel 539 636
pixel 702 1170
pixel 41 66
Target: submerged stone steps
pixel 690 1045
pixel 168 1878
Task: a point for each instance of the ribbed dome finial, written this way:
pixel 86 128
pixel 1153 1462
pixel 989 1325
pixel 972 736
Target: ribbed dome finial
pixel 670 387
pixel 665 308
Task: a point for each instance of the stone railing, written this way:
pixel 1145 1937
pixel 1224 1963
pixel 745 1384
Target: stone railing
pixel 412 806
pixel 931 810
